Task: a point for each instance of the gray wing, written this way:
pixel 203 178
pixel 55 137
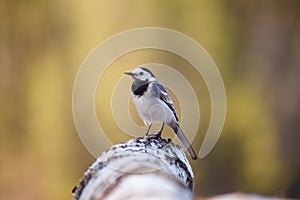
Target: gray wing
pixel 164 96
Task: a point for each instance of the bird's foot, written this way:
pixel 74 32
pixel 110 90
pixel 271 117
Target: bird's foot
pixel 153 136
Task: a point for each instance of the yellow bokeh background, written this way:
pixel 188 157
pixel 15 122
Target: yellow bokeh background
pixel 255 44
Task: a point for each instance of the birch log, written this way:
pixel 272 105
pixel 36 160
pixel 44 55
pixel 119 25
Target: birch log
pixel 143 168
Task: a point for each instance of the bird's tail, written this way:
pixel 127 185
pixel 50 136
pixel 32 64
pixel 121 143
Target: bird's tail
pixel 176 128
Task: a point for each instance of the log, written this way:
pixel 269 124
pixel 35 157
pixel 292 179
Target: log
pixel 142 168
pixel 240 196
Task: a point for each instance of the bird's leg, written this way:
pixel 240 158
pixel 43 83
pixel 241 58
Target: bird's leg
pixel 147 133
pixel 161 129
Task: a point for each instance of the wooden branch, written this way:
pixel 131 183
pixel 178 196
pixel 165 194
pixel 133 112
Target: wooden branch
pixel 143 168
pixel 240 196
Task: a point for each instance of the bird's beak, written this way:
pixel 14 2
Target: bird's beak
pixel 129 73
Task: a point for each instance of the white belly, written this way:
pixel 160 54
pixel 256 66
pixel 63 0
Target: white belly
pixel 152 110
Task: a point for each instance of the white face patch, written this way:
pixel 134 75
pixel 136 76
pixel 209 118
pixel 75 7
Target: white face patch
pixel 141 74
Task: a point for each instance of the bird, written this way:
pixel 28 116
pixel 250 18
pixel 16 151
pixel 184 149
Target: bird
pixel 154 105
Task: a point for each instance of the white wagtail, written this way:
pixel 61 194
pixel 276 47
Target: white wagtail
pixel 154 104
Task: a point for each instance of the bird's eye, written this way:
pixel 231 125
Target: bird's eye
pixel 141 73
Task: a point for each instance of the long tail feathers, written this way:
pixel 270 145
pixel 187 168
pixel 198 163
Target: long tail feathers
pixel 185 141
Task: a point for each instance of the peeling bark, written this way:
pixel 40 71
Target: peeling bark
pixel 143 168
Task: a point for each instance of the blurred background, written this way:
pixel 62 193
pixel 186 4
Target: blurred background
pixel 255 44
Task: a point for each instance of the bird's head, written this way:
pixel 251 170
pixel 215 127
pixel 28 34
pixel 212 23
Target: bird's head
pixel 141 74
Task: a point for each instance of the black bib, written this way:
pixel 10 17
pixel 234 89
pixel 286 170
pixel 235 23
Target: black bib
pixel 139 87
